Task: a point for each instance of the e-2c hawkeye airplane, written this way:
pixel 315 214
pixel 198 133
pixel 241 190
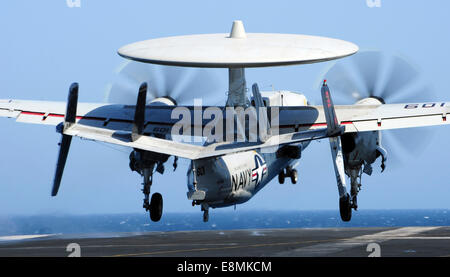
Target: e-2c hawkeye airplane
pixel 233 165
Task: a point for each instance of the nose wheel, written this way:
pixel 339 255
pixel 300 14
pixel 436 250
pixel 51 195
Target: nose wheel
pixel 294 176
pixel 288 173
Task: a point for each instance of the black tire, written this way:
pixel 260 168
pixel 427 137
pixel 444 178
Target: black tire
pixel 345 208
pixel 156 207
pixel 294 176
pixel 281 177
pixel 206 216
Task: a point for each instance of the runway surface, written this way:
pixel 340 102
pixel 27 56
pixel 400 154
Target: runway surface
pixel 329 242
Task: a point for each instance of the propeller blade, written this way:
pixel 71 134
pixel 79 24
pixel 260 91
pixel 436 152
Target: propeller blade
pixel 64 145
pixel 368 66
pixel 130 75
pixel 415 94
pixel 404 145
pixel 401 75
pixel 174 77
pixel 390 79
pixel 182 84
pixel 202 83
pixel 344 85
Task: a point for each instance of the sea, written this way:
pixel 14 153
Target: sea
pixel 230 220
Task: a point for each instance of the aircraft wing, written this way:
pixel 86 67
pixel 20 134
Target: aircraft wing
pixel 361 118
pixel 112 123
pixel 397 116
pixel 186 150
pixel 51 112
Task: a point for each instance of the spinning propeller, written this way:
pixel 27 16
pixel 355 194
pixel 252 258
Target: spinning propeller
pixel 181 85
pixel 390 79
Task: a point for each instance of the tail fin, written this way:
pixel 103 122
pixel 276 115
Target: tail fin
pixel 261 113
pixel 69 119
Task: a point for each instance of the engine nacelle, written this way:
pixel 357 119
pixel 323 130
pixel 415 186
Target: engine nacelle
pixel 163 101
pixel 140 159
pixel 363 148
pixel 348 142
pixel 290 151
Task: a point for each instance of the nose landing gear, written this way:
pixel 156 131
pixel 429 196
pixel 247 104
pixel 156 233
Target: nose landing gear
pixel 205 209
pixel 288 172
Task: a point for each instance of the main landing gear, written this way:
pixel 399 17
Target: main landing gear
pixel 349 202
pixel 155 205
pixel 355 174
pixel 142 162
pixel 290 173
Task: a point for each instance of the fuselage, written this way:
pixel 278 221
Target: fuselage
pixel 235 178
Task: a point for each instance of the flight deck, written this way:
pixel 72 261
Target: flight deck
pixel 302 242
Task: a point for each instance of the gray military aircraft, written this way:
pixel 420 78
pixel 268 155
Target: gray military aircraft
pixel 248 141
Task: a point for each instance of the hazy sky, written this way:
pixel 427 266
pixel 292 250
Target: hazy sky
pixel 45 45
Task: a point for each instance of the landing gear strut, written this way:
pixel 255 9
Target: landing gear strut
pixel 349 202
pixel 205 210
pixel 355 183
pixel 147 174
pixel 140 162
pixel 155 206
